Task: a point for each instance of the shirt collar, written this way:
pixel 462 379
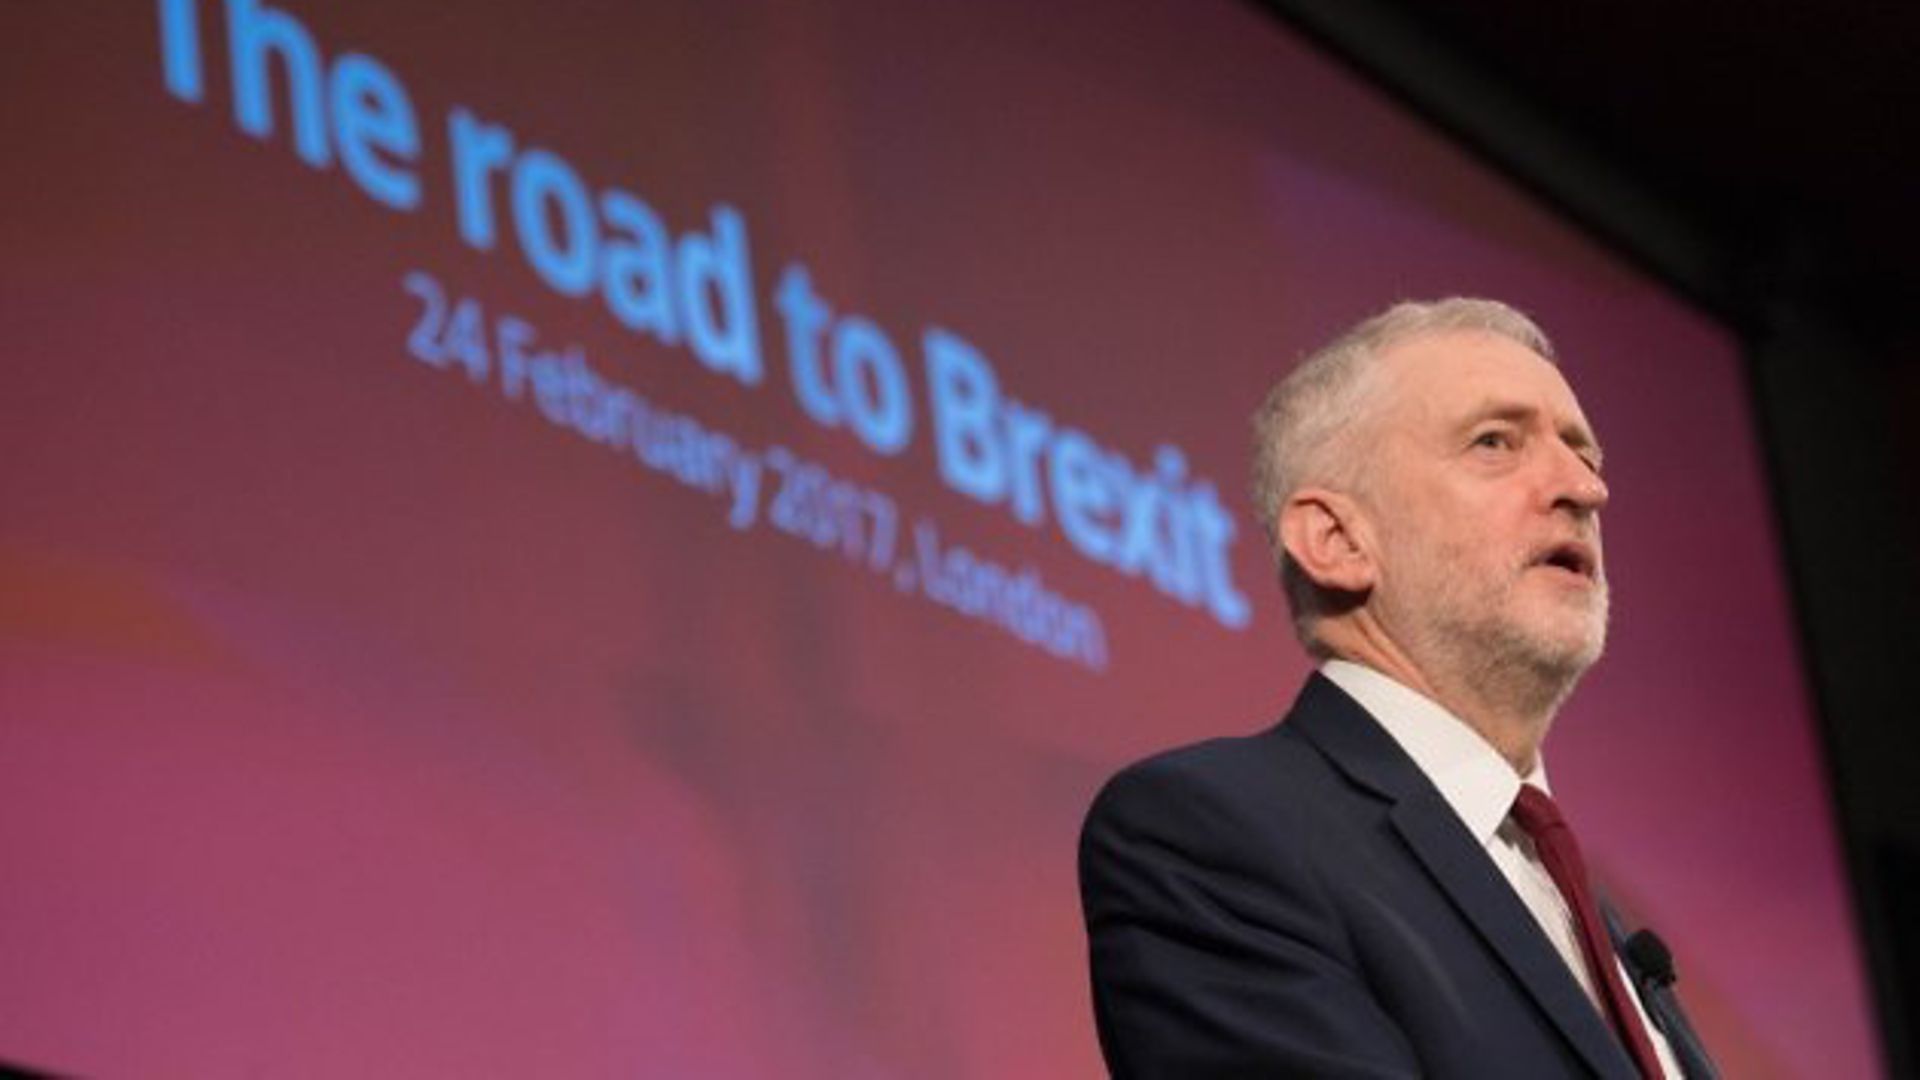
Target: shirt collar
pixel 1471 775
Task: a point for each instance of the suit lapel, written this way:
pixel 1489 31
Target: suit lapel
pixel 1362 750
pixel 1483 895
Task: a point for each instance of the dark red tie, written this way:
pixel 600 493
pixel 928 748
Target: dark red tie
pixel 1537 814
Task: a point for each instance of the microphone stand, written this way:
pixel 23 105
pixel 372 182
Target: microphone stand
pixel 1650 963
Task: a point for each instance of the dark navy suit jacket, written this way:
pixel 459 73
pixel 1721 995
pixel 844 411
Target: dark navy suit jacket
pixel 1304 903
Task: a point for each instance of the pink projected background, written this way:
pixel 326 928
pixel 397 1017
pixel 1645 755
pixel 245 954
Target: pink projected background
pixel 596 592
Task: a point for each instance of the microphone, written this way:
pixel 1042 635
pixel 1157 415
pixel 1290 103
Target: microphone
pixel 1650 963
pixel 1649 958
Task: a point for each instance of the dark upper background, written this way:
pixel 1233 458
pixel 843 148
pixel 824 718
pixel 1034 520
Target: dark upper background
pixel 1785 129
pixel 1783 132
pixel 1761 157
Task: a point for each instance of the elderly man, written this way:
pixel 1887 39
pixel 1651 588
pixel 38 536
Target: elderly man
pixel 1381 885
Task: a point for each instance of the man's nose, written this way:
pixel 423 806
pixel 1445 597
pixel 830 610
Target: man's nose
pixel 1576 484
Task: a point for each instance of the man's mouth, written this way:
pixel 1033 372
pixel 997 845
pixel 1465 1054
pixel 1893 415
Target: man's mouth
pixel 1571 556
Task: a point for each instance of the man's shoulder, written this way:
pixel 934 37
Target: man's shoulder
pixel 1280 762
pixel 1230 760
pixel 1270 807
pixel 1222 786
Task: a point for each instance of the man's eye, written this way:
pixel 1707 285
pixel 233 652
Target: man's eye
pixel 1493 440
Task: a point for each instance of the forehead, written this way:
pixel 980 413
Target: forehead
pixel 1448 377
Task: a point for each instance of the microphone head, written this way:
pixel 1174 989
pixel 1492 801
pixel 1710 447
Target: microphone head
pixel 1648 955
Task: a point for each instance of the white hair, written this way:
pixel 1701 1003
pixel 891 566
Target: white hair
pixel 1301 432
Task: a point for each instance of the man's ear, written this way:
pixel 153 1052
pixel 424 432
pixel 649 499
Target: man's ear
pixel 1326 536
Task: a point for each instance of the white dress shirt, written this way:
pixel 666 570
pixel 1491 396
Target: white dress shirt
pixel 1480 786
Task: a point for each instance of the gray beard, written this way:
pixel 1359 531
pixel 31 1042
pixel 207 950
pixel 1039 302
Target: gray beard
pixel 1520 673
pixel 1505 666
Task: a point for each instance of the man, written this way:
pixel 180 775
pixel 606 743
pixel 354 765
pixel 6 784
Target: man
pixel 1379 887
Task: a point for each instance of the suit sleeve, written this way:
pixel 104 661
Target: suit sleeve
pixel 1215 950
